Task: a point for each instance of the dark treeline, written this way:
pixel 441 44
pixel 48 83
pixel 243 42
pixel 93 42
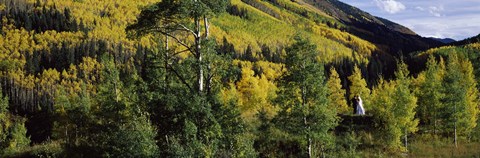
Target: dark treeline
pixel 39 18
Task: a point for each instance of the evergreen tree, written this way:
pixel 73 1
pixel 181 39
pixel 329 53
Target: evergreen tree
pixel 303 97
pixel 336 95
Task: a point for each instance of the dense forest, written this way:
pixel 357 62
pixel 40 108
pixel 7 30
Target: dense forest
pixel 237 78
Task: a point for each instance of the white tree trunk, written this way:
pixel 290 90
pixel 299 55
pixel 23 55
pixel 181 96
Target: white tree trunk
pixel 207 27
pixel 304 105
pixel 208 83
pixel 167 51
pixel 198 55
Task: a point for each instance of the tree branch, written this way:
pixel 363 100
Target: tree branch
pixel 181 78
pixel 176 53
pixel 176 39
pixel 183 27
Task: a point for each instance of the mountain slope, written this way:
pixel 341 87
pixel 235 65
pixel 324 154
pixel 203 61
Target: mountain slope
pixel 394 37
pixel 474 39
pixel 444 40
pixel 258 24
pixel 260 29
pixel 336 27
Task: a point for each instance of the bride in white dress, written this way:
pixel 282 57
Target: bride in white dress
pixel 360 109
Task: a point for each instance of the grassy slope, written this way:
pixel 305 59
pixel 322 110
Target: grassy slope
pixel 426 146
pixel 262 28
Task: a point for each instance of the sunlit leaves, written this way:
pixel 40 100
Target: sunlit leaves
pixel 256 91
pixel 336 94
pixel 358 86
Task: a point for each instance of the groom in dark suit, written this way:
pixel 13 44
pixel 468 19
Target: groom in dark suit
pixel 355 104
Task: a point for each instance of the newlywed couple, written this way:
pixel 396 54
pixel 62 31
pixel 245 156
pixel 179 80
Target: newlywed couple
pixel 358 105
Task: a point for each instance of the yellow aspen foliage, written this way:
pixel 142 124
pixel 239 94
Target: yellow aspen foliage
pixel 358 86
pixel 13 43
pixel 48 81
pixel 417 82
pixel 47 39
pixel 474 46
pixel 336 95
pixel 229 94
pixel 19 77
pixel 405 104
pixel 271 71
pixel 471 107
pixel 89 71
pixel 255 93
pixel 428 89
pixel 70 81
pixel 381 108
pixel 29 81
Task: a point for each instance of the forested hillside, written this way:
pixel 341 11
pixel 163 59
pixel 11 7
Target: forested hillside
pixel 237 78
